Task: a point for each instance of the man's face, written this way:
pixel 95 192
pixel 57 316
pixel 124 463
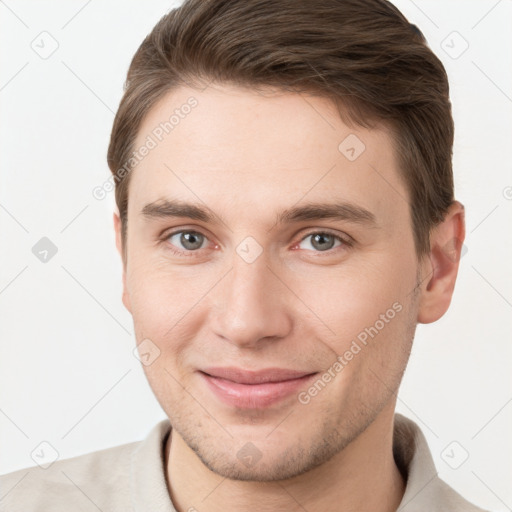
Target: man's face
pixel 250 291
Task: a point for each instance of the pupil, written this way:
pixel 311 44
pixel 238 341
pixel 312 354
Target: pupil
pixel 190 240
pixel 321 238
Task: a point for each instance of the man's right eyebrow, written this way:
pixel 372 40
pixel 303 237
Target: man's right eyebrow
pixel 166 208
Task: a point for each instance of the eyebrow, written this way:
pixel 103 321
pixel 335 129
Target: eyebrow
pixel 345 211
pixel 165 208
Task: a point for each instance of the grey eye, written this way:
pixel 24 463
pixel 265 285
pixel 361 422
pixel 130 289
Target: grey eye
pixel 189 240
pixel 321 241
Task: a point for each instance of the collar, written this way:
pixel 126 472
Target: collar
pixel 148 483
pixel 424 491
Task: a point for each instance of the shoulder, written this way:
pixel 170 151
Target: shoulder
pixel 424 491
pixel 453 501
pixel 96 480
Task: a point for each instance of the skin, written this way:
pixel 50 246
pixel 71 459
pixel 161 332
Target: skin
pixel 248 157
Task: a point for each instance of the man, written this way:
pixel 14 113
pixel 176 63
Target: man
pixel 285 219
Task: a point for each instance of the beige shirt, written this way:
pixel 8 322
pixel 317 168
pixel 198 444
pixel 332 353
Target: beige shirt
pixel 131 477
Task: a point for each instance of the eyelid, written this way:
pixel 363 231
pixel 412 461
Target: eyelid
pixel 326 231
pixel 166 233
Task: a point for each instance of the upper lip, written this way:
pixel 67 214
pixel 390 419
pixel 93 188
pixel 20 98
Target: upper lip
pixel 255 376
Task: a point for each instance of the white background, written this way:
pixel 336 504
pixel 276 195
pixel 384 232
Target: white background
pixel 67 372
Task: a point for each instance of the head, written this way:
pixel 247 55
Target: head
pixel 285 199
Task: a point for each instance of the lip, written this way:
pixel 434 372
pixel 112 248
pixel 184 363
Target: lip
pixel 254 389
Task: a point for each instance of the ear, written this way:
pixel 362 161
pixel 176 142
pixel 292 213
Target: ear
pixel 119 245
pixel 439 268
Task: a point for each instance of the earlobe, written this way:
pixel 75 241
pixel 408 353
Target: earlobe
pixel 119 245
pixel 440 266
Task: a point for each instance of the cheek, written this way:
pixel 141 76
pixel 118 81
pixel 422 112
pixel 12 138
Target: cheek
pixel 349 298
pixel 369 353
pixel 165 323
pixel 156 308
pixel 162 295
pixel 168 308
pixel 369 312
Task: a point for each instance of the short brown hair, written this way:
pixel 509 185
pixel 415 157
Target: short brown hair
pixel 362 54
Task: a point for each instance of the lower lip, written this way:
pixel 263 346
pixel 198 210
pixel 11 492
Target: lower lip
pixel 254 396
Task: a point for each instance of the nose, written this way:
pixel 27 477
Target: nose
pixel 251 306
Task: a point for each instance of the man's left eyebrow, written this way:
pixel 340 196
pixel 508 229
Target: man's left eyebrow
pixel 344 211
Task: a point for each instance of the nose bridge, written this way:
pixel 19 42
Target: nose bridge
pixel 250 305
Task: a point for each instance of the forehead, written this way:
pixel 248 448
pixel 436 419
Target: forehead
pixel 233 147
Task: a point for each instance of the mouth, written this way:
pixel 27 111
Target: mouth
pixel 254 389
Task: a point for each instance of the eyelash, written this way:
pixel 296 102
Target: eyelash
pixel 345 243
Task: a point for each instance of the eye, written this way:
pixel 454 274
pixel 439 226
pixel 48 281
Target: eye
pixel 186 241
pixel 321 241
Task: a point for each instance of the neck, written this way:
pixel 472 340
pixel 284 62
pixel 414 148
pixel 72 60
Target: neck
pixel 363 476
